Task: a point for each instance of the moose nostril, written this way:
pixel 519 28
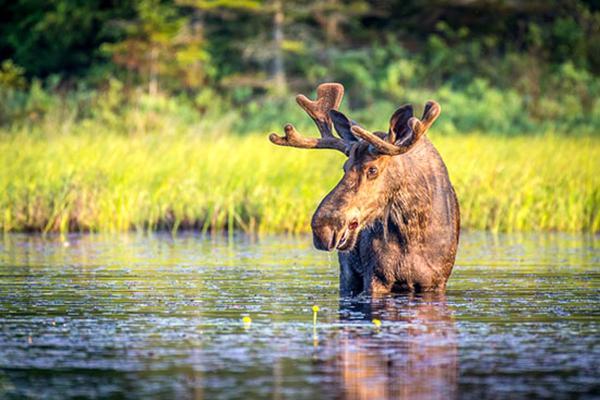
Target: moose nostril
pixel 324 237
pixel 333 241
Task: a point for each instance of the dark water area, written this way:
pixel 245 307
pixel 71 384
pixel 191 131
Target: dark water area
pixel 152 316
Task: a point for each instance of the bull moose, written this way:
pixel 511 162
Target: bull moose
pixel 393 217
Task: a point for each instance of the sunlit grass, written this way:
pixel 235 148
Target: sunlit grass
pixel 106 182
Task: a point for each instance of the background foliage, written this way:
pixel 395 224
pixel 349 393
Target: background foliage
pixel 498 66
pixel 171 86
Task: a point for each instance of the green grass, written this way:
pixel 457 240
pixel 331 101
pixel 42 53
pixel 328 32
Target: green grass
pixel 108 182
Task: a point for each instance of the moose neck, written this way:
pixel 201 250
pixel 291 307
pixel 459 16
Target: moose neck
pixel 409 209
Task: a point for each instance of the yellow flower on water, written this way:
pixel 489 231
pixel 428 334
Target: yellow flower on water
pixel 315 309
pixel 247 320
pixel 376 322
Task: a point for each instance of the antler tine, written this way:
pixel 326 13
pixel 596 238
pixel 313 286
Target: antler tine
pixel 381 145
pixel 329 97
pixel 430 113
pixel 293 139
pixel 419 127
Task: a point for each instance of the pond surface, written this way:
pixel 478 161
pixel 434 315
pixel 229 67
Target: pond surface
pixel 137 316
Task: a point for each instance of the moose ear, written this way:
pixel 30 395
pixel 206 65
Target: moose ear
pixel 400 133
pixel 342 125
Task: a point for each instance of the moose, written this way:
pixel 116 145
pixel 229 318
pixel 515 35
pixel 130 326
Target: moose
pixel 394 216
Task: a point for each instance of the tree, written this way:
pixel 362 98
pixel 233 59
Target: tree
pixel 57 36
pixel 161 46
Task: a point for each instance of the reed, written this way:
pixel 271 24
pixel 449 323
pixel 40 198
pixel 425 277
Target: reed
pixel 101 181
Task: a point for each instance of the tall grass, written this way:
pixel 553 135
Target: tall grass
pixel 98 181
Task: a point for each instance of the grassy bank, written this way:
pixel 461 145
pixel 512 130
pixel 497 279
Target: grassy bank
pixel 104 182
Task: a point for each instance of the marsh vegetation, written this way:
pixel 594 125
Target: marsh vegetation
pixel 94 180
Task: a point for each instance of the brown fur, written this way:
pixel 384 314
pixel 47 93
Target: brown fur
pixel 408 222
pixel 394 215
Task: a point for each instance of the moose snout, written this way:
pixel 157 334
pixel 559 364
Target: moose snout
pixel 326 229
pixel 324 238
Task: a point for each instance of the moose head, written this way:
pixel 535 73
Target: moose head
pixel 373 171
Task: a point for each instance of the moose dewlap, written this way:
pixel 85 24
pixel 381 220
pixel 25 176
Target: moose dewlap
pixel 393 217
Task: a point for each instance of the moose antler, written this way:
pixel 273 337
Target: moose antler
pixel 418 128
pixel 329 97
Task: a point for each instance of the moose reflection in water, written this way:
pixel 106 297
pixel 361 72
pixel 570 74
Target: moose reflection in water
pixel 413 355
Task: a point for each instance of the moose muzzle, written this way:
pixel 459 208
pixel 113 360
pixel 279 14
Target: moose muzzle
pixel 331 230
pixel 326 226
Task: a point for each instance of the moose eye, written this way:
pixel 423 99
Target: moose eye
pixel 372 172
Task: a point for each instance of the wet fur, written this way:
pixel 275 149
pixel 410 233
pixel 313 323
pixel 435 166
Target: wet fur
pixel 394 215
pixel 412 245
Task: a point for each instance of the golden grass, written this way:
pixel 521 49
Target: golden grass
pixel 107 182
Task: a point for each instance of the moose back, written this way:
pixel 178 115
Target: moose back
pixel 394 216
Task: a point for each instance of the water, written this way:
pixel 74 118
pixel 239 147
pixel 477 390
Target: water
pixel 137 316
